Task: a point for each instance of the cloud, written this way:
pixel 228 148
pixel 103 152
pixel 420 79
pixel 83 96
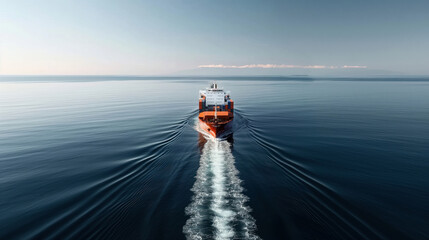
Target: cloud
pixel 345 66
pixel 277 66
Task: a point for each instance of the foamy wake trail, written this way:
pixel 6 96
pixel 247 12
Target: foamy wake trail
pixel 218 209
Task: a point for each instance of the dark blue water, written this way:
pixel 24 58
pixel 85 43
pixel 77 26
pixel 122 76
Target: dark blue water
pixel 84 158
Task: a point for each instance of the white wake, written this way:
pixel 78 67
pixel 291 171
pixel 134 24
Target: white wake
pixel 218 209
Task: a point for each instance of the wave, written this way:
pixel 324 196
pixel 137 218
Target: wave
pixel 329 206
pixel 87 217
pixel 219 208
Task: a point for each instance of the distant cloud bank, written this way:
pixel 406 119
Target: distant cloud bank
pixel 277 66
pixel 345 66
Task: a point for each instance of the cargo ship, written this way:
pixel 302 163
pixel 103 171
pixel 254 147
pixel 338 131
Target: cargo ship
pixel 216 111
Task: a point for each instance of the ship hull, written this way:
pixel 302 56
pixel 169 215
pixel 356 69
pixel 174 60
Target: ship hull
pixel 216 130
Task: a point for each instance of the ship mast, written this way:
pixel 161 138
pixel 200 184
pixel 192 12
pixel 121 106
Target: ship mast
pixel 216 111
pixel 215 87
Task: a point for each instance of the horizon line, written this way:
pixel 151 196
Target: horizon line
pixel 212 75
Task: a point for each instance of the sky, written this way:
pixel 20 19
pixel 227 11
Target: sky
pixel 195 37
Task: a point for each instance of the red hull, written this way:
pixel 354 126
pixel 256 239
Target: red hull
pixel 213 129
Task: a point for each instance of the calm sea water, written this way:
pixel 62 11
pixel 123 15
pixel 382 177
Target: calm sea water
pixel 121 158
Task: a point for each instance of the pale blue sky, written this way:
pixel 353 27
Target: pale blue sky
pixel 168 37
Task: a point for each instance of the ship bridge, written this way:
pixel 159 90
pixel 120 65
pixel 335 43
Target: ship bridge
pixel 214 96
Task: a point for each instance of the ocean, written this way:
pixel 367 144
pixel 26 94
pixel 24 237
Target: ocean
pixel 112 157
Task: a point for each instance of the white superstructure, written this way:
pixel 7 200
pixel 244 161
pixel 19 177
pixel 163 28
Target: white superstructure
pixel 215 96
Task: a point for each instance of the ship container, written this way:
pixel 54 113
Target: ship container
pixel 200 107
pixel 231 105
